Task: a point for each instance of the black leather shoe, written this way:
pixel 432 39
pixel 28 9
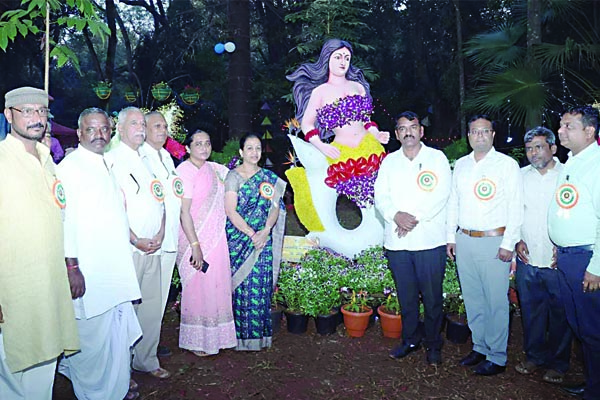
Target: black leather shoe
pixel 434 356
pixel 576 390
pixel 404 349
pixel 163 351
pixel 488 368
pixel 473 358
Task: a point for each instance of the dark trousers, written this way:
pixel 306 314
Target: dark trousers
pixel 547 335
pixel 583 313
pixel 420 272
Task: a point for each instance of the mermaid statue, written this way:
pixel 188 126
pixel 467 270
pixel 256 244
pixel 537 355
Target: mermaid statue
pixel 334 102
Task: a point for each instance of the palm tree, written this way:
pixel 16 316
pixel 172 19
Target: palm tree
pixel 523 76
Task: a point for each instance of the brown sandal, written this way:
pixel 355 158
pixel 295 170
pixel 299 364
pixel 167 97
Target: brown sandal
pixel 160 373
pixel 526 367
pixel 553 376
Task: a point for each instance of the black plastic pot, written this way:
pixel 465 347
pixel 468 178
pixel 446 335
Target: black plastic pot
pixel 296 323
pixel 327 324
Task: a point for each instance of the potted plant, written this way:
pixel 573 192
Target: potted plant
pixel 292 290
pixel 325 297
pixel 457 329
pixel 276 309
pixel 356 314
pixel 161 91
pixel 390 315
pixel 190 95
pixel 131 94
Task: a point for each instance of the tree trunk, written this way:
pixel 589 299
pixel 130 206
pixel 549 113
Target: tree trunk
pixel 239 68
pixel 461 69
pixel 534 37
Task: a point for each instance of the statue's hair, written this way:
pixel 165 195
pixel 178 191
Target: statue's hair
pixel 310 75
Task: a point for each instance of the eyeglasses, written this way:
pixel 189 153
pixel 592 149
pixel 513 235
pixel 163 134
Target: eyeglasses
pixel 481 132
pixel 28 112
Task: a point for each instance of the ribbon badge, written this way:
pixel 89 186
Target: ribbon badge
pixel 178 187
pixel 266 190
pixel 157 190
pixel 59 194
pixel 485 189
pixel 427 181
pixel 567 196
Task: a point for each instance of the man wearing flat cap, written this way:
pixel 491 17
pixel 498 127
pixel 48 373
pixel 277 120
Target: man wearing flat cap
pixel 37 323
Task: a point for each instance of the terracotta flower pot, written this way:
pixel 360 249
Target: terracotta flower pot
pixel 391 324
pixel 356 322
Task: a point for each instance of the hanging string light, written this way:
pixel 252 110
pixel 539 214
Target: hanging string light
pixel 508 137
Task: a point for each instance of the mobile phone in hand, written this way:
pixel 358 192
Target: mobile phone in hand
pixel 204 266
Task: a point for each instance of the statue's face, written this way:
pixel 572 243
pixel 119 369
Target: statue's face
pixel 339 62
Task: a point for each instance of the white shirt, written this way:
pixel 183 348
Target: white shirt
pixel 486 195
pixel 97 233
pixel 574 215
pixel 160 163
pixel 538 192
pixel 142 194
pixel 419 187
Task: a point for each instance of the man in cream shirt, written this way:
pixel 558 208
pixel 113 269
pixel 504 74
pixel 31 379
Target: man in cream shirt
pixel 159 162
pixel 97 241
pixel 547 335
pixel 144 197
pixel 36 313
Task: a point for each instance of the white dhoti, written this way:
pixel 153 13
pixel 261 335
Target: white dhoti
pixel 102 369
pixel 34 383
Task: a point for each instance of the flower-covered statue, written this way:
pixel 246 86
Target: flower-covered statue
pixel 333 100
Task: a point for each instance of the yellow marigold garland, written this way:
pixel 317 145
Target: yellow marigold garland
pixel 303 203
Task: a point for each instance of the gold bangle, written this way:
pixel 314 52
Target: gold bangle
pixel 195 244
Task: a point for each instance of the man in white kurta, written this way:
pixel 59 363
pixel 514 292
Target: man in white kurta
pixel 159 162
pixel 97 241
pixel 144 197
pixel 411 192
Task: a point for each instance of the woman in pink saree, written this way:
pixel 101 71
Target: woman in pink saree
pixel 206 314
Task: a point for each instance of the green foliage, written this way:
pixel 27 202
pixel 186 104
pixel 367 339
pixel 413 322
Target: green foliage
pixel 456 150
pixel 230 150
pixel 326 19
pixel 518 153
pixel 358 302
pixel 453 301
pixel 23 21
pixel 391 304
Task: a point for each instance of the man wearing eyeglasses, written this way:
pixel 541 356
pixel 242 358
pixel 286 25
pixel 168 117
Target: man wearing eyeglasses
pixel 100 263
pixel 159 162
pixel 37 323
pixel 485 213
pixel 144 201
pixel 411 192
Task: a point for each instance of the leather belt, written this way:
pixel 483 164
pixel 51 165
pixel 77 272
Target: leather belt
pixel 489 233
pixel 575 249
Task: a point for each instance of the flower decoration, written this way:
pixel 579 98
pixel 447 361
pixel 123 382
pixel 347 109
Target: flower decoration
pixel 344 111
pixel 355 178
pixel 234 162
pixel 293 126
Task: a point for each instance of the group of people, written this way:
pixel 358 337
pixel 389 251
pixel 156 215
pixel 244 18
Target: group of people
pixel 89 247
pixel 484 214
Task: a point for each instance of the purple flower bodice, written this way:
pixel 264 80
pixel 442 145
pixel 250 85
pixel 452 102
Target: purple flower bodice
pixel 345 110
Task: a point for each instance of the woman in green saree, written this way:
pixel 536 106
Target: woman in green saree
pixel 255 225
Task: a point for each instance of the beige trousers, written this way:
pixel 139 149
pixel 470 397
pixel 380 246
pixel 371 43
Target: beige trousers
pixel 167 263
pixel 149 312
